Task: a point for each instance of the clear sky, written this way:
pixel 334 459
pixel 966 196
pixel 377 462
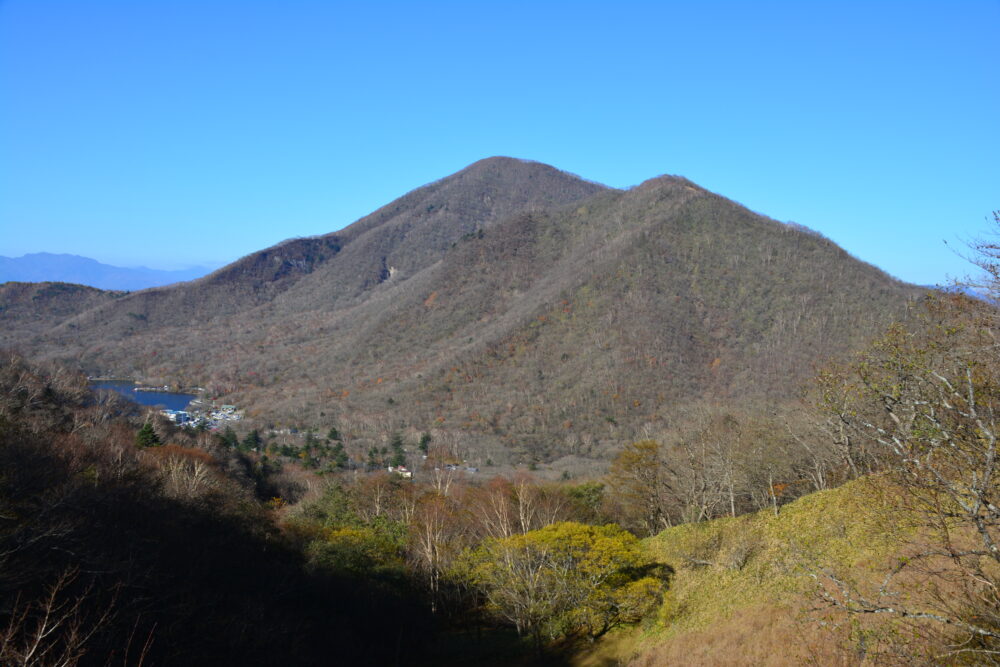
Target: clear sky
pixel 169 133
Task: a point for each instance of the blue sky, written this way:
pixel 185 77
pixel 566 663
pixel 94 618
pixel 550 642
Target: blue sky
pixel 175 133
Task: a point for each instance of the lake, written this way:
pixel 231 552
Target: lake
pixel 167 399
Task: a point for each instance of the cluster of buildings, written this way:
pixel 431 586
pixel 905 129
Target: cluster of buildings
pixel 180 417
pixel 212 419
pixel 225 413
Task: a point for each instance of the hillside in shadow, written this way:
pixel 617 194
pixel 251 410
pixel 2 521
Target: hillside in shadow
pixel 115 555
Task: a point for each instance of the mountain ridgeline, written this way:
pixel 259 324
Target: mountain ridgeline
pixel 518 312
pixel 48 267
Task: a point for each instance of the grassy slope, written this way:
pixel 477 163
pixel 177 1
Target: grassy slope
pixel 742 590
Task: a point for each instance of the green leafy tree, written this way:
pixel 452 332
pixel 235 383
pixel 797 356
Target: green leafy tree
pixel 340 540
pixel 252 441
pixel 398 454
pixel 228 438
pixel 361 551
pixel 339 455
pixel 587 501
pixel 146 437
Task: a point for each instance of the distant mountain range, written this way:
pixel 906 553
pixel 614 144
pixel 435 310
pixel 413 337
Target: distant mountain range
pixel 48 267
pixel 511 309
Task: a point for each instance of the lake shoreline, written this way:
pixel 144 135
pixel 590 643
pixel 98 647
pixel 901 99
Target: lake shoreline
pixel 147 396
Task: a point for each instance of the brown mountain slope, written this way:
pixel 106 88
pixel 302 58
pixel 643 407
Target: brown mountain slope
pixel 28 310
pixel 571 325
pixel 574 330
pixel 404 236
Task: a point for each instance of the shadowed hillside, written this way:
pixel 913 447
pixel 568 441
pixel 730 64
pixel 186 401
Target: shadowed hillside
pixel 112 554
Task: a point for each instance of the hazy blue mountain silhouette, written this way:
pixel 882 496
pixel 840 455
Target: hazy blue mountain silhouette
pixel 49 267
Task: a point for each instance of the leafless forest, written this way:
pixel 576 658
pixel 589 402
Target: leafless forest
pixel 521 313
pixel 513 417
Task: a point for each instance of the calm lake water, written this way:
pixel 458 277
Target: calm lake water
pixel 166 399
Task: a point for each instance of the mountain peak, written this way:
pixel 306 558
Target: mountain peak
pixel 503 168
pixel 505 162
pixel 669 181
pixel 502 160
pixel 466 315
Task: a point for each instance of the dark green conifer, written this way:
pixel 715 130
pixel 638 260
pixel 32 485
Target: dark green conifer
pixel 146 437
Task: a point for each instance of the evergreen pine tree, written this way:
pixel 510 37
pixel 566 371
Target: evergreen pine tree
pixel 252 441
pixel 146 437
pixel 228 438
pixel 398 455
pixel 339 456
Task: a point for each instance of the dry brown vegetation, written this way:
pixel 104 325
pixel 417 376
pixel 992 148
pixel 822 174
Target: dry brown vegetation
pixel 515 313
pixel 523 314
pixel 115 555
pixel 895 567
pixel 900 566
pixel 762 635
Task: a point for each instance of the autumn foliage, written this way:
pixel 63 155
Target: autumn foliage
pixel 566 579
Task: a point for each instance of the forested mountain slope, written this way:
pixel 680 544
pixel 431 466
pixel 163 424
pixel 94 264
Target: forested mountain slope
pixel 403 236
pixel 519 310
pixel 29 310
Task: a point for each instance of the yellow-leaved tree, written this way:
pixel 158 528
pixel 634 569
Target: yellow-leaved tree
pixel 566 579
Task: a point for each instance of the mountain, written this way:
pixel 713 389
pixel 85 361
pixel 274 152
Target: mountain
pixel 399 240
pixel 48 267
pixel 517 312
pixel 28 310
